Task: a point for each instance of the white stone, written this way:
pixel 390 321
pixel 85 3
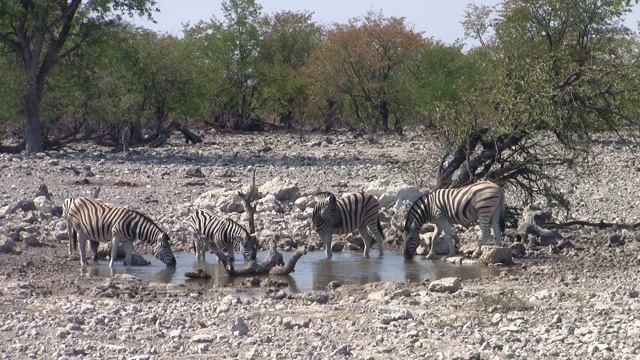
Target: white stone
pixel 226 201
pixel 282 189
pixel 44 205
pixel 391 192
pixel 448 284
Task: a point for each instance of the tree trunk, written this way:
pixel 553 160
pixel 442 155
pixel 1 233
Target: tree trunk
pixel 328 119
pixel 384 115
pixel 33 127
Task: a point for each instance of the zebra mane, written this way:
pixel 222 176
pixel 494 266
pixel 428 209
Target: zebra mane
pixel 146 218
pixel 324 195
pixel 231 221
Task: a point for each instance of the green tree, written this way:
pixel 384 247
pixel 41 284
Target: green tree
pixel 242 21
pixel 288 39
pixel 363 62
pixel 41 33
pixel 551 67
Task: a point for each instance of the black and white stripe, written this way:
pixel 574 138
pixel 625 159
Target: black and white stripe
pixel 220 233
pixel 482 202
pixel 92 219
pixel 73 245
pixel 354 211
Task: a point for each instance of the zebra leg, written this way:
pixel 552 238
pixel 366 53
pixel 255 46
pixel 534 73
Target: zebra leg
pixel 93 249
pixel 432 246
pixel 128 251
pixel 114 250
pixel 377 234
pixel 198 248
pixel 230 254
pixel 73 246
pixel 327 244
pixel 484 227
pixel 82 240
pixel 367 239
pixel 496 229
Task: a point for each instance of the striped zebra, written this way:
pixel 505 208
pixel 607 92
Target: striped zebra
pixel 354 211
pixel 219 234
pixel 73 245
pixel 92 219
pixel 482 202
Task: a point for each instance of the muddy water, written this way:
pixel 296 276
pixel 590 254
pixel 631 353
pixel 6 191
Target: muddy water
pixel 313 271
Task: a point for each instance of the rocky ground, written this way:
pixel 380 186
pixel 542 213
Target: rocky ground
pixel 565 302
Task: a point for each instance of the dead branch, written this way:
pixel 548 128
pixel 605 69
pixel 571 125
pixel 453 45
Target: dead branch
pixel 600 225
pixel 251 194
pixel 272 262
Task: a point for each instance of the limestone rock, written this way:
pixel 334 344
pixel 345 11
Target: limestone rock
pixel 492 254
pixel 282 189
pixel 448 284
pixel 227 201
pixel 391 192
pixel 44 205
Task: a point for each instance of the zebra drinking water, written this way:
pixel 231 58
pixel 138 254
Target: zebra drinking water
pixel 92 219
pixel 482 202
pixel 219 234
pixel 354 211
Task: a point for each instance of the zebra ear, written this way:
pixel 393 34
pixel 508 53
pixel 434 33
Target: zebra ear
pixel 332 200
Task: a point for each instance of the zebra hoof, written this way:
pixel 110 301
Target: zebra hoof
pixel 431 256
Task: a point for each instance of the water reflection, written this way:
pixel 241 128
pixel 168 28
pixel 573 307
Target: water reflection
pixel 313 271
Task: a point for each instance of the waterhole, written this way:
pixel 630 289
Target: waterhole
pixel 312 272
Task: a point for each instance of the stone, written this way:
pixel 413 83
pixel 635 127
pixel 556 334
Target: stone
pixel 30 240
pixel 518 249
pixel 386 316
pixel 221 199
pixel 239 327
pixel 6 244
pixel 44 205
pixel 316 297
pixel 138 260
pixel 448 284
pixel 301 203
pixel 195 171
pixel 389 192
pixel 282 189
pixel 492 254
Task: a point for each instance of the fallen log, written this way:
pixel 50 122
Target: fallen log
pixel 273 263
pixel 599 225
pixel 533 219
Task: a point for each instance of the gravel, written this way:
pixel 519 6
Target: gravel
pixel 569 303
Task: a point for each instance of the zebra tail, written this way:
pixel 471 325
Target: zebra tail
pixel 380 228
pixel 502 215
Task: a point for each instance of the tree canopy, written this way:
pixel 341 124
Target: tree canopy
pixel 540 69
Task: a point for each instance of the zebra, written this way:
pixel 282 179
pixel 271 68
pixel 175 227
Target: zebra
pixel 219 234
pixel 354 211
pixel 482 202
pixel 73 245
pixel 95 220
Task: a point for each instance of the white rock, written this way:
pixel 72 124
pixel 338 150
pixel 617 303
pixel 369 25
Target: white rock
pixel 221 199
pixel 44 205
pixel 390 192
pixel 282 189
pixel 239 327
pixel 492 254
pixel 301 203
pixel 448 284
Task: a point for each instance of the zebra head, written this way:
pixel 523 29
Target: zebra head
pixel 248 243
pixel 163 251
pixel 324 211
pixel 411 242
